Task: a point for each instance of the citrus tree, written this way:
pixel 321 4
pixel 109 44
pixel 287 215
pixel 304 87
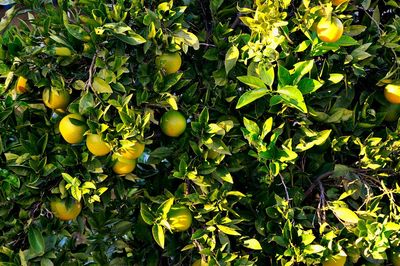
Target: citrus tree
pixel 195 132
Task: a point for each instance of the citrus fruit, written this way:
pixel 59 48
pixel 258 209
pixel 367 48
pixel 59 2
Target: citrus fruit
pixel 123 166
pixel 338 2
pixel 179 218
pixel 64 211
pixel 55 99
pixel 132 151
pixel 336 260
pixel 329 30
pixel 21 86
pixel 70 131
pixel 96 145
pixel 392 93
pixel 200 262
pixel 169 62
pixel 173 123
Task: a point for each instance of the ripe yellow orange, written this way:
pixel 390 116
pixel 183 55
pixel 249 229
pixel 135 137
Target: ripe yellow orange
pixel 179 218
pixel 72 133
pixel 329 30
pixel 21 86
pixel 392 93
pixel 338 2
pixel 336 260
pixel 132 151
pixel 173 123
pixel 55 99
pixel 169 62
pixel 200 262
pixel 96 145
pixel 123 166
pixel 64 211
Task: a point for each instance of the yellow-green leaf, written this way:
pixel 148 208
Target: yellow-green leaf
pixel 252 244
pixel 346 215
pixel 101 86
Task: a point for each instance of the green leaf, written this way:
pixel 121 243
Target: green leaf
pixel 250 96
pixel 231 57
pixel 336 77
pixel 101 86
pixel 252 82
pixel 223 174
pixel 76 193
pixel 313 249
pixel 36 241
pixel 228 230
pixel 7 17
pixel 86 102
pixel 293 97
pixel 188 38
pixel 251 126
pixel 267 127
pixel 67 177
pixel 46 262
pixel 132 39
pixel 89 185
pixel 146 214
pixel 158 235
pixel 307 85
pixel 165 207
pixel 267 75
pixel 303 46
pixel 346 215
pixel 121 228
pixel 284 77
pixel 301 69
pixel 252 244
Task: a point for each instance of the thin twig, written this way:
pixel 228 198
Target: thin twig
pixel 316 182
pixel 88 83
pixel 285 187
pixel 321 204
pixel 236 21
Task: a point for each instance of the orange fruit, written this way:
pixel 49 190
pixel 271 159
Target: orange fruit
pixel 71 132
pixel 21 86
pixel 329 30
pixel 55 99
pixel 96 145
pixel 392 93
pixel 132 151
pixel 338 2
pixel 173 123
pixel 336 260
pixel 64 211
pixel 169 62
pixel 179 218
pixel 123 166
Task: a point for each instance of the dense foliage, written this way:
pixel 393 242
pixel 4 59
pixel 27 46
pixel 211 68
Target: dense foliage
pixel 290 153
